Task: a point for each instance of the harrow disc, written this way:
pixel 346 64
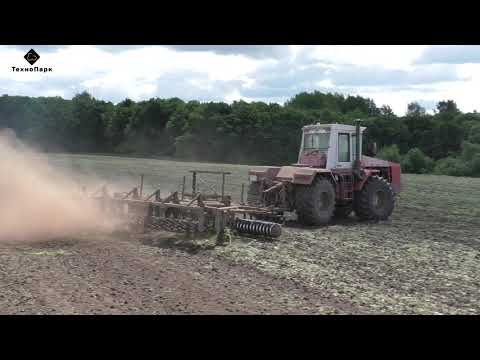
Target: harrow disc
pixel 173 225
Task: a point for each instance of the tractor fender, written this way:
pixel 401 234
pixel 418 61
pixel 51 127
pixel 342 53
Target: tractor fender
pixel 395 171
pixel 367 173
pixel 300 175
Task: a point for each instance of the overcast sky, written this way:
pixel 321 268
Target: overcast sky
pixel 393 75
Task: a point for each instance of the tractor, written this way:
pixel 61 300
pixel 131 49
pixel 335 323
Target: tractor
pixel 331 178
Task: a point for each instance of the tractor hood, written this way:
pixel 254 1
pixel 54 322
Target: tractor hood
pixel 368 161
pixel 293 174
pixel 298 175
pixel 263 172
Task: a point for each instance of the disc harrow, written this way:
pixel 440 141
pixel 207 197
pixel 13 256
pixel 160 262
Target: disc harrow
pixel 185 212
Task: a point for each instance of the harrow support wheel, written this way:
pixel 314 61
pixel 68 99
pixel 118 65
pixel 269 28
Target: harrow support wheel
pixel 315 203
pixel 375 201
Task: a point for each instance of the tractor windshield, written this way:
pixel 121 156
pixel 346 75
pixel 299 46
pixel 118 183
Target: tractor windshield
pixel 318 141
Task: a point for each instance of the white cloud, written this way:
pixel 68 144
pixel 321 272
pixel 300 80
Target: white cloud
pixel 393 75
pixel 254 51
pixel 387 56
pixel 450 54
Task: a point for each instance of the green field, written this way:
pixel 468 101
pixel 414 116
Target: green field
pixel 425 260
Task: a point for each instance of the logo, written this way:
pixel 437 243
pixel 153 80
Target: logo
pixel 32 57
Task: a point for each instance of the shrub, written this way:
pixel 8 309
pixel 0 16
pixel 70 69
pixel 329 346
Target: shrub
pixel 475 165
pixel 469 150
pixel 453 167
pixel 444 166
pixel 468 164
pixel 474 134
pixel 390 153
pixel 415 161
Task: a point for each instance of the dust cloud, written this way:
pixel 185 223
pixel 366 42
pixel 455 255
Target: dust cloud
pixel 38 202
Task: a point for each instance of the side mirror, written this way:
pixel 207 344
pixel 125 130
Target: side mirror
pixel 372 149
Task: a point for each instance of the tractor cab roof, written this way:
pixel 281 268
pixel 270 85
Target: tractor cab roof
pixel 331 128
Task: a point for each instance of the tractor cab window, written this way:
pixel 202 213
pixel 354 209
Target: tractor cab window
pixel 316 141
pixel 344 147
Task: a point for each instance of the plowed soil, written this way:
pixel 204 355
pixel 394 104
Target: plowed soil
pixel 120 275
pixel 424 260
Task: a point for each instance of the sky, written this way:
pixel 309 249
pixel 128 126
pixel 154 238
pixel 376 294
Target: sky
pixel 393 75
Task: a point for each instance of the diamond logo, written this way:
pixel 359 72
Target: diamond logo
pixel 32 57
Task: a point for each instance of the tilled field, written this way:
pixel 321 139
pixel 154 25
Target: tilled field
pixel 425 260
pixel 95 275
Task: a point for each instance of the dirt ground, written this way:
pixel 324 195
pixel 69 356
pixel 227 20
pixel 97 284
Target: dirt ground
pixel 424 260
pixel 120 275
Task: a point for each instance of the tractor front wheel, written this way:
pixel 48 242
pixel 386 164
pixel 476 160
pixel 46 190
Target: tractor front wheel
pixel 315 203
pixel 375 201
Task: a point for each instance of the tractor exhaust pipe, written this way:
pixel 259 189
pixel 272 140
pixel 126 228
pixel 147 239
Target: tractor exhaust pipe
pixel 358 153
pixel 357 171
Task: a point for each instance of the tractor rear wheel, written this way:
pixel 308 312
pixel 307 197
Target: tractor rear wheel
pixel 315 203
pixel 376 200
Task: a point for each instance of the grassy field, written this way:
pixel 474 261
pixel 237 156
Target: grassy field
pixel 425 260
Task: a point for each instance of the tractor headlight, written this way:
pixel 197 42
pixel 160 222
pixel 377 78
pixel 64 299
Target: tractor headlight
pixel 253 178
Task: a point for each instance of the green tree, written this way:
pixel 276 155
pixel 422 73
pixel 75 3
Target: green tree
pixel 474 134
pixel 118 123
pixel 415 161
pixel 253 132
pixel 147 130
pixel 391 153
pixel 87 129
pixel 414 109
pixel 448 106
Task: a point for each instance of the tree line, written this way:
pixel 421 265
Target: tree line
pixel 446 142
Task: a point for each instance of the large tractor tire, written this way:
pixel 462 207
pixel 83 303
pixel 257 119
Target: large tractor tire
pixel 315 203
pixel 376 200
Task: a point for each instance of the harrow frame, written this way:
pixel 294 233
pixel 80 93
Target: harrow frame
pixel 195 212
